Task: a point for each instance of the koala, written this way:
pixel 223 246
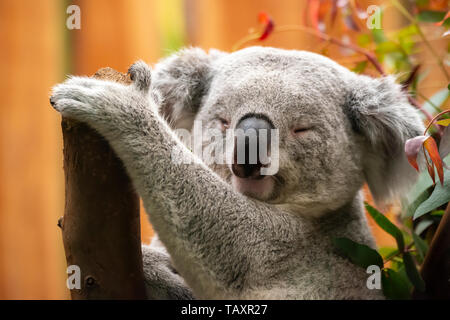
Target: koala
pixel 225 231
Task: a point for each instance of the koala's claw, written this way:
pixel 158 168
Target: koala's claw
pixel 141 74
pixel 72 108
pixel 76 97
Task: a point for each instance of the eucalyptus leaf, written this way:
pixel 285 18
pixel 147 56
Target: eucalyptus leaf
pixel 412 272
pixel 446 23
pixel 408 31
pixel 438 213
pixel 431 16
pixel 423 183
pixel 395 287
pixel 422 3
pixel 360 67
pixel 411 208
pixel 386 225
pixel 378 36
pixel 423 225
pixel 387 252
pixel 387 47
pixel 439 196
pixel 435 102
pixel 420 245
pixel 363 40
pixel 359 254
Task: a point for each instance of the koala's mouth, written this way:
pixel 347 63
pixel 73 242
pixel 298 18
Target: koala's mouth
pixel 261 188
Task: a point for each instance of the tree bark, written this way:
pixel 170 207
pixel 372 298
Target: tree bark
pixel 435 270
pixel 100 227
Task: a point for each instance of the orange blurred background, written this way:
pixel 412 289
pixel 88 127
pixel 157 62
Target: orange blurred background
pixel 38 50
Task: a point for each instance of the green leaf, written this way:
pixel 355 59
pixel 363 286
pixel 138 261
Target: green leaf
pixel 386 225
pixel 412 272
pixel 394 285
pixel 378 36
pixel 408 31
pixel 405 38
pixel 438 213
pixel 434 104
pixel 387 252
pixel 397 265
pixel 359 254
pixel 363 40
pixel 422 2
pixel 446 23
pixel 440 196
pixel 407 45
pixel 423 225
pixel 431 16
pixel 402 273
pixel 420 245
pixel 411 209
pixel 387 47
pixel 423 183
pixel 360 67
pixel 444 122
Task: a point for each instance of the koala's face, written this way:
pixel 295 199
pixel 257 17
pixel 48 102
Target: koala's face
pixel 323 151
pixel 302 96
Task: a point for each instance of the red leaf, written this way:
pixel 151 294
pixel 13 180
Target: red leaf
pixel 268 23
pixel 412 148
pixel 430 168
pixel 313 12
pixel 432 149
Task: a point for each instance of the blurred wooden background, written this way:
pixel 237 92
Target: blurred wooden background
pixel 37 51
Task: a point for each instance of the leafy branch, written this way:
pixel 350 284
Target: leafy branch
pixel 413 21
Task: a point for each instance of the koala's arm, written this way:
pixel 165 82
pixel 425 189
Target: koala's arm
pixel 210 231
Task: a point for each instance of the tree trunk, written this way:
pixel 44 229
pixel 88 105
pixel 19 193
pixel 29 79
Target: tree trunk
pixel 100 227
pixel 435 270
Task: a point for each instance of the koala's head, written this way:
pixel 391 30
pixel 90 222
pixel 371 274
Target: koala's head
pixel 336 129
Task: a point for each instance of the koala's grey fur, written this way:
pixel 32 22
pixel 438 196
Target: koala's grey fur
pixel 228 245
pixel 161 279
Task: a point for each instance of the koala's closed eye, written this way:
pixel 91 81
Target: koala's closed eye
pixel 301 130
pixel 224 123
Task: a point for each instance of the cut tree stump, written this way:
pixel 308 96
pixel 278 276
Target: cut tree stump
pixel 100 227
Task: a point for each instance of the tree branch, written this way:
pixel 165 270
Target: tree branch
pixel 435 270
pixel 100 227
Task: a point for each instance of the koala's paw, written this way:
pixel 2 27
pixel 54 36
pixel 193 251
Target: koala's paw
pixel 84 99
pixel 141 75
pixel 161 279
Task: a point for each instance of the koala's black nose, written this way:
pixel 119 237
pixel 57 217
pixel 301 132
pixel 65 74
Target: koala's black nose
pixel 252 136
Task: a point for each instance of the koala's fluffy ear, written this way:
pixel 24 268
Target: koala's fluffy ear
pixel 379 110
pixel 181 80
